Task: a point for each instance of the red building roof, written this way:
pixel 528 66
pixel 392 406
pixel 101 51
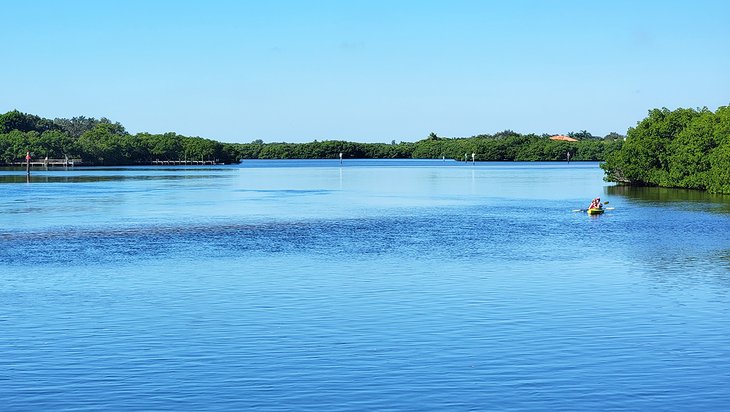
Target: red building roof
pixel 563 138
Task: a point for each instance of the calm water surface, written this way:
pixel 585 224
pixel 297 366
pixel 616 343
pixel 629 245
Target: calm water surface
pixel 379 285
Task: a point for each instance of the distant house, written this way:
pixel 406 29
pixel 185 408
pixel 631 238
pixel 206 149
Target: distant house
pixel 563 138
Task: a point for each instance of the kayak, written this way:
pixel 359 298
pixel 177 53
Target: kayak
pixel 595 211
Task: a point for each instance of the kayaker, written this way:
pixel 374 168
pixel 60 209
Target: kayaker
pixel 596 203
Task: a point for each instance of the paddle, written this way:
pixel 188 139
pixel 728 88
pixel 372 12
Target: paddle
pixel 605 208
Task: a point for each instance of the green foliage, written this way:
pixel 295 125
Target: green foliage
pixel 100 142
pixel 24 122
pixel 614 136
pixel 582 135
pixel 106 144
pixel 684 148
pixel 76 126
pixel 51 143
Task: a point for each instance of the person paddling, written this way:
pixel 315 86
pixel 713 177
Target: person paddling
pixel 596 203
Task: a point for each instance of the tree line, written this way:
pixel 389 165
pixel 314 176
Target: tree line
pixel 503 146
pixel 103 142
pixel 682 148
pixel 99 142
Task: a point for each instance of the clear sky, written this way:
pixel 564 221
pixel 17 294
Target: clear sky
pixel 368 71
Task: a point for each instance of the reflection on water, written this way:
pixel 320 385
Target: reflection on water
pixel 76 178
pixel 669 196
pixel 110 174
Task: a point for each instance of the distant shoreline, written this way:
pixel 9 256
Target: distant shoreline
pixel 102 142
pixel 39 165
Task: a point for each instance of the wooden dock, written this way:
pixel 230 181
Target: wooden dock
pixel 78 162
pixel 51 163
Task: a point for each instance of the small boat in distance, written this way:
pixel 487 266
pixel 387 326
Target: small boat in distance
pixel 596 207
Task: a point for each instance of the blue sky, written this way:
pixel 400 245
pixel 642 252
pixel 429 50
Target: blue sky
pixel 369 71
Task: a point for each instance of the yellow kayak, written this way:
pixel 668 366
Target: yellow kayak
pixel 595 211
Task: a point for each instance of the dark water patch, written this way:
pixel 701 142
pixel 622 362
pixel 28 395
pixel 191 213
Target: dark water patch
pixel 287 192
pixel 512 233
pixel 438 234
pixel 695 200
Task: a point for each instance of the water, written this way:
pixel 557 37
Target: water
pixel 379 285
